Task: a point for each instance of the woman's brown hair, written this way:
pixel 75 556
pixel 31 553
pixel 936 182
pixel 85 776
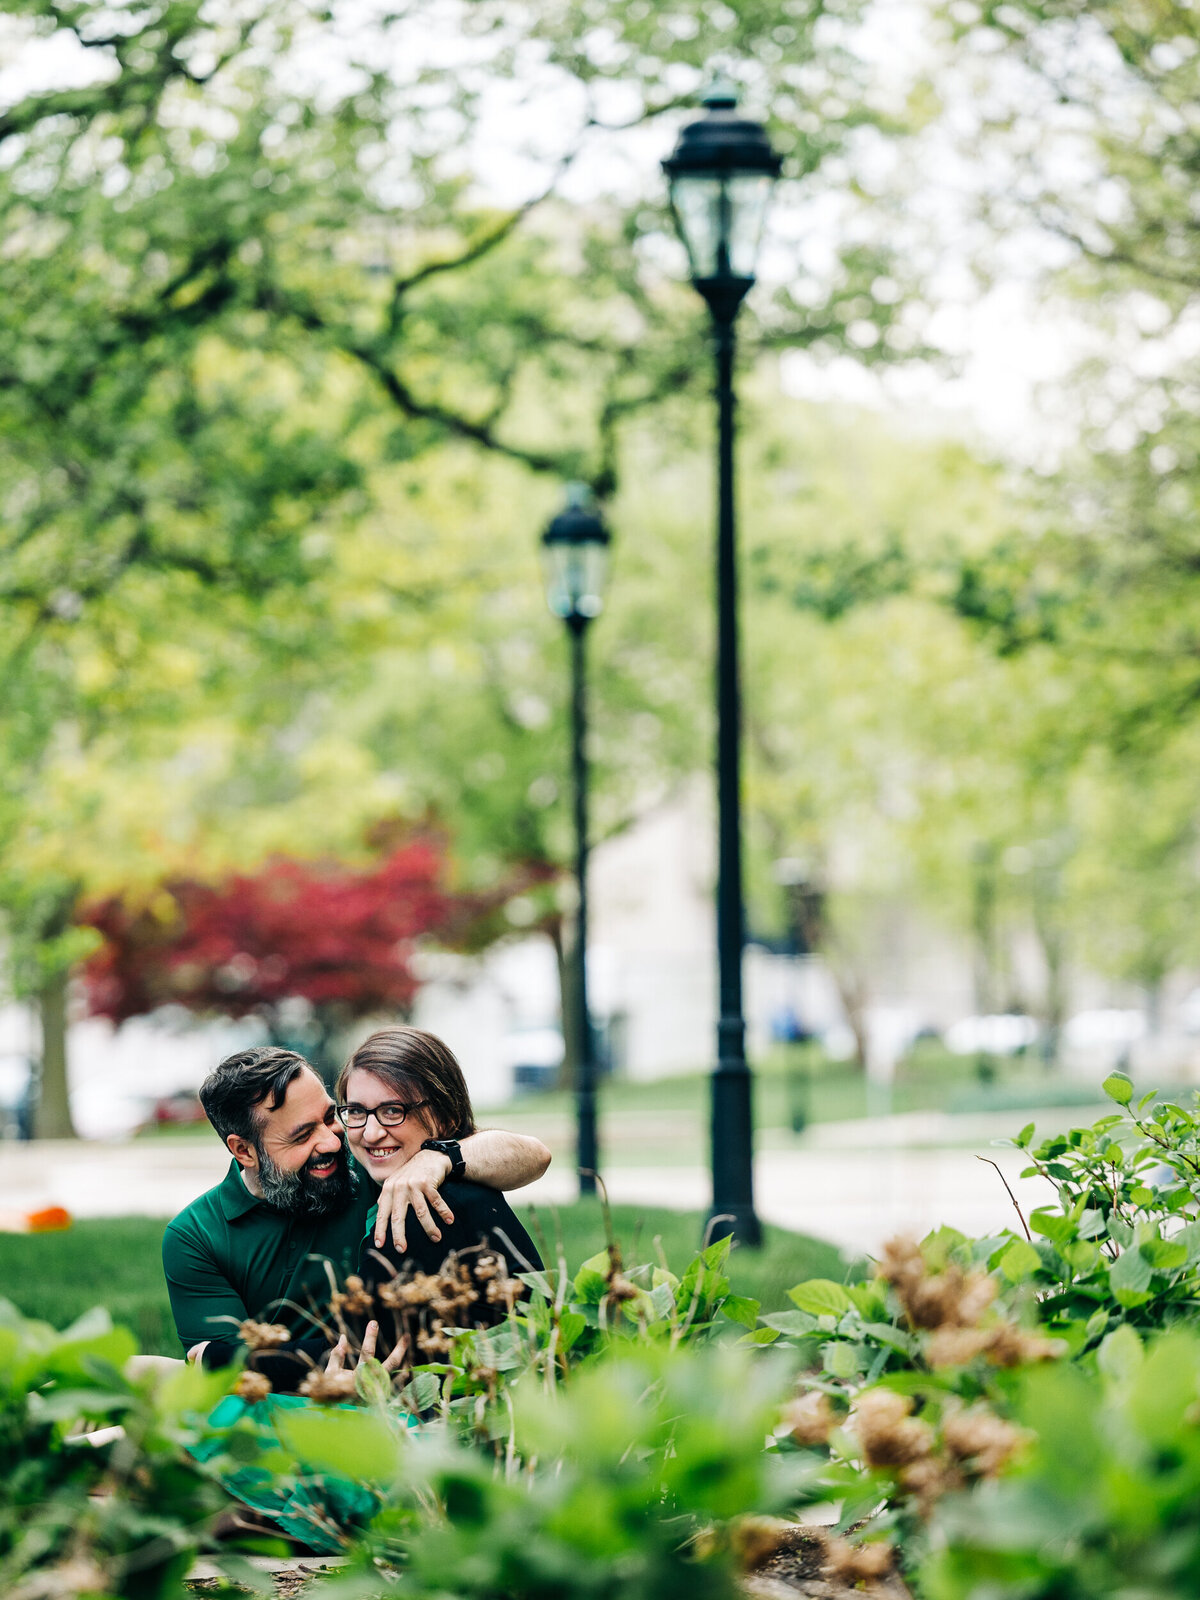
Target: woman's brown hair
pixel 417 1066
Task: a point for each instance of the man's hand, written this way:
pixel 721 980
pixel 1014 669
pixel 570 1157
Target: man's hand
pixel 337 1361
pixel 416 1185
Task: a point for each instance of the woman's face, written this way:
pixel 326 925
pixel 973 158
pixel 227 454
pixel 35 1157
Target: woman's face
pixel 381 1150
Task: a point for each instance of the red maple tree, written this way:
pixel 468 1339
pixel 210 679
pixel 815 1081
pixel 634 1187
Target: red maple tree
pixel 340 939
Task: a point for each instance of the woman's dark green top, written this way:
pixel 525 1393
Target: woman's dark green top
pixel 482 1217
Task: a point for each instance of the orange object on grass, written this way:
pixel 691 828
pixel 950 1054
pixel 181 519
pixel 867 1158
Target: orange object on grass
pixel 50 1219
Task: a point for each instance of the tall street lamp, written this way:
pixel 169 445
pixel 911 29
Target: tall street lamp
pixel 720 176
pixel 575 562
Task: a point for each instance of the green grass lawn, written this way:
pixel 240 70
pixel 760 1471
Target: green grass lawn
pixel 115 1263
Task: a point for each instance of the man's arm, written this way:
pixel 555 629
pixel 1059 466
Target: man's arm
pixel 495 1158
pixel 204 1303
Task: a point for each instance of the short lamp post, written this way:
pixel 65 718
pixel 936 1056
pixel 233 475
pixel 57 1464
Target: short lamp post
pixel 720 175
pixel 575 561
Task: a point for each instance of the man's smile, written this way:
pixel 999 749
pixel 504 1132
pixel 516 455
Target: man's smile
pixel 322 1166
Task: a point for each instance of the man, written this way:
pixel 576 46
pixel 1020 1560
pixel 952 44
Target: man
pixel 256 1247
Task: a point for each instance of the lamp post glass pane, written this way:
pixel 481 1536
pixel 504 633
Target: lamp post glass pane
pixel 721 220
pixel 575 575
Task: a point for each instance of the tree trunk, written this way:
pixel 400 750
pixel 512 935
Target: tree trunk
pixel 53 1116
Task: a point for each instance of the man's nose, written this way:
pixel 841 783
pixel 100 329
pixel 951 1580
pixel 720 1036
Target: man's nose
pixel 328 1140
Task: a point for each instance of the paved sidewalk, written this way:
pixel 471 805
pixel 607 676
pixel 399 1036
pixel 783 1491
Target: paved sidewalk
pixel 854 1197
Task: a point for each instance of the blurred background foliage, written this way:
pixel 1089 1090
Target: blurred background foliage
pixel 286 394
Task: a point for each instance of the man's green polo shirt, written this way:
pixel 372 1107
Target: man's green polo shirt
pixel 229 1256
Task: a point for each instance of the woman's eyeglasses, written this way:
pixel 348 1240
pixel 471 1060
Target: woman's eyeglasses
pixel 389 1115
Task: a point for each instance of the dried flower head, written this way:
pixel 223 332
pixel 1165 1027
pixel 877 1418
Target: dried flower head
pixel 929 1479
pixel 328 1388
pixel 488 1267
pixel 419 1290
pixel 433 1340
pixel 854 1562
pixel 620 1288
pixel 982 1441
pixel 956 1347
pixel 810 1418
pixel 888 1434
pixel 754 1540
pixel 263 1335
pixel 506 1291
pixel 252 1386
pixel 355 1301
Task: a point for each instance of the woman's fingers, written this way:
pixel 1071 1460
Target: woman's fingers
pixel 337 1355
pixel 368 1343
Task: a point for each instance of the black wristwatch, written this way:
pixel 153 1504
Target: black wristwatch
pixel 448 1147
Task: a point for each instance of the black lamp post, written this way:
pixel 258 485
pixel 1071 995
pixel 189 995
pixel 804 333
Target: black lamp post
pixel 575 560
pixel 720 176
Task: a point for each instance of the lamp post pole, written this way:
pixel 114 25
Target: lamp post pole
pixel 720 174
pixel 585 1039
pixel 732 1088
pixel 574 551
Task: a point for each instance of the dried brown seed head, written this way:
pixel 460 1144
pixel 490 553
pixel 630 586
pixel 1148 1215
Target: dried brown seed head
pixel 252 1386
pixel 328 1388
pixel 754 1540
pixel 810 1418
pixel 263 1335
pixel 854 1562
pixel 889 1436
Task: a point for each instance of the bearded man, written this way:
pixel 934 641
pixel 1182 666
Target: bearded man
pixel 292 1207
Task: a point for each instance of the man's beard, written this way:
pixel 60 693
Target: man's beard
pixel 299 1194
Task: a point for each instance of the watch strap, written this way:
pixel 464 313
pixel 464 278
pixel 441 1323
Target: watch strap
pixel 450 1148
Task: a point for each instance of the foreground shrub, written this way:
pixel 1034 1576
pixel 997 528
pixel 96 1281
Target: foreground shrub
pixel 1105 1498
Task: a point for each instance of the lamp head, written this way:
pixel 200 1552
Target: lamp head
pixel 720 177
pixel 575 558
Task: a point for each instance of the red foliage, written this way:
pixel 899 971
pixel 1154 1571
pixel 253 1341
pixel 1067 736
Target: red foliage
pixel 330 935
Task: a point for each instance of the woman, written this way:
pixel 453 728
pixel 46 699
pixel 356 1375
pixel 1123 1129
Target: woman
pixel 402 1091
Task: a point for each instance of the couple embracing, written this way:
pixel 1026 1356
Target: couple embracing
pixel 380 1185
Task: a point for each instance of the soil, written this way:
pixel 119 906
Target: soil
pixel 795 1573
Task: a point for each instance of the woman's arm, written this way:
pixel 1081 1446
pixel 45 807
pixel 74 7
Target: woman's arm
pixel 495 1158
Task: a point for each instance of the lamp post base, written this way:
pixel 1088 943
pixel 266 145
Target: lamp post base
pixel 732 1148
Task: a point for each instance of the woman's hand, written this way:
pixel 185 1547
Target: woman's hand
pixel 417 1186
pixel 338 1357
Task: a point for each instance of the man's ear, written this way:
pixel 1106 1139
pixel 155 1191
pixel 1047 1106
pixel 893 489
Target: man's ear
pixel 242 1151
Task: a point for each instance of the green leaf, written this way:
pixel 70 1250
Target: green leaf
pixel 896 1338
pixel 360 1444
pixel 591 1281
pixel 740 1308
pixel 570 1325
pixel 1120 1355
pixel 1019 1260
pixel 760 1336
pixel 716 1254
pixel 821 1297
pixel 868 1298
pixel 840 1359
pixel 1025 1135
pixel 1129 1277
pixel 796 1323
pixel 373 1382
pixel 1118 1086
pixel 1091 1224
pixel 1165 1255
pixel 936 1247
pixel 1052 1225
